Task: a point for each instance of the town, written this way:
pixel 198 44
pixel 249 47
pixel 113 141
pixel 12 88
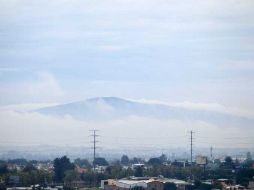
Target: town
pixel 157 173
pixel 126 94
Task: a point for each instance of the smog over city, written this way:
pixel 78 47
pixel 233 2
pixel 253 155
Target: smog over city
pixel 92 82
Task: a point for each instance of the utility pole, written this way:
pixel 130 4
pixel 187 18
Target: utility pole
pixel 94 135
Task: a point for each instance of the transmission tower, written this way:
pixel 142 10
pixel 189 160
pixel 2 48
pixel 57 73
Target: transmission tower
pixel 211 153
pixel 94 141
pixel 191 144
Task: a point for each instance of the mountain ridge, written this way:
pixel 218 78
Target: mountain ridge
pixel 108 108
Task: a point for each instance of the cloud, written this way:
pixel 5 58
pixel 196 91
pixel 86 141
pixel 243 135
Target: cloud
pixel 44 88
pixel 214 107
pixel 133 132
pixel 25 107
pixel 146 48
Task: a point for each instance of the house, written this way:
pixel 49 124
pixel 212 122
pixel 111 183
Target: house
pixel 109 184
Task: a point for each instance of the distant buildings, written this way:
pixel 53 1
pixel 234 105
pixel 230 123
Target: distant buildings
pixel 144 182
pixel 35 187
pixel 134 166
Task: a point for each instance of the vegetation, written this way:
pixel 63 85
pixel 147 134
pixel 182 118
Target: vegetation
pixel 169 186
pixel 155 161
pixel 61 165
pixel 84 163
pixel 139 172
pixel 65 172
pixel 125 160
pixel 101 161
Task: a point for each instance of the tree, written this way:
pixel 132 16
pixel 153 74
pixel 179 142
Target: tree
pixel 125 160
pixel 139 172
pixel 204 186
pixel 88 177
pixel 3 169
pixel 163 158
pixel 82 163
pixel 34 177
pixel 61 165
pixel 154 161
pixel 19 161
pixel 2 186
pixel 244 176
pixel 29 168
pixel 169 186
pixel 228 160
pixel 228 163
pixel 70 175
pixel 100 161
pixel 136 160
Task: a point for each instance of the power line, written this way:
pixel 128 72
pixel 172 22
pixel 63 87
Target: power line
pixel 147 137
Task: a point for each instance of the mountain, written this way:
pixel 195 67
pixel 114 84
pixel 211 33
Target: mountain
pixel 106 108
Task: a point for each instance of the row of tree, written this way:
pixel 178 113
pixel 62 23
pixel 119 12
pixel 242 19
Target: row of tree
pixel 66 171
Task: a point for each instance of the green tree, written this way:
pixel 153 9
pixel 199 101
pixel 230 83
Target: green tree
pixel 88 177
pixel 70 176
pixel 61 165
pixel 154 161
pixel 163 158
pixel 3 169
pixel 34 177
pixel 139 172
pixel 125 160
pixel 82 163
pixel 19 161
pixel 204 186
pixel 228 161
pixel 29 168
pixel 244 176
pixel 100 161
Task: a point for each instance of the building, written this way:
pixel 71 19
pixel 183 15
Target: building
pixel 158 185
pixel 251 185
pixel 146 183
pixel 109 184
pixel 180 184
pixel 124 184
pixel 134 166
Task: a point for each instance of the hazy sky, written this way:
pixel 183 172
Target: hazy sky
pixel 199 51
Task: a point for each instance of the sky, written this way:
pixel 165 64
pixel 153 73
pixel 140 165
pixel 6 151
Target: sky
pixel 192 52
